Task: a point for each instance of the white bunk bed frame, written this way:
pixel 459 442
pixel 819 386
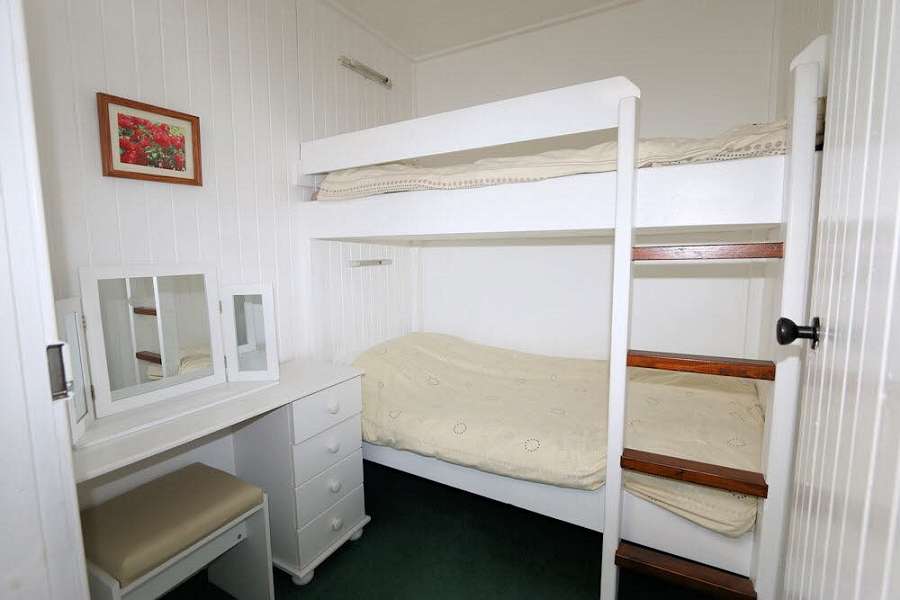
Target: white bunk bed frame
pixel 777 192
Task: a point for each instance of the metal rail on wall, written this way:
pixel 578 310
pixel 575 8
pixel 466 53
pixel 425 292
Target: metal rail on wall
pixel 366 71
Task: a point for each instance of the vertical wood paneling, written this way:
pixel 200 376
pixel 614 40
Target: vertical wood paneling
pixel 334 100
pixel 358 307
pixel 261 75
pixel 233 63
pixel 200 95
pixel 84 22
pixel 59 141
pixel 177 67
pixel 151 52
pixel 288 251
pixel 843 539
pixel 341 100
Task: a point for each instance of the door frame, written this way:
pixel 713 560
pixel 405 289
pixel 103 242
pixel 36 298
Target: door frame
pixel 45 556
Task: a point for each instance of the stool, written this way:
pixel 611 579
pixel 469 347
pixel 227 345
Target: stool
pixel 145 542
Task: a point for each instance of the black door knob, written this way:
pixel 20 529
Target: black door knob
pixel 787 331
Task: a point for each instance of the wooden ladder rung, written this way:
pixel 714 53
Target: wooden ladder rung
pixel 709 251
pixel 681 469
pixel 147 356
pixel 707 365
pixel 145 310
pixel 684 572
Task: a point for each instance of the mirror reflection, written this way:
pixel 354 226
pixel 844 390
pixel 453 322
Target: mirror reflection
pixel 156 332
pixel 249 323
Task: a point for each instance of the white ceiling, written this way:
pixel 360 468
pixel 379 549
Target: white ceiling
pixel 421 28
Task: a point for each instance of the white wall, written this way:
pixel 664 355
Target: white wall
pixel 333 98
pixel 234 65
pixel 547 299
pixel 358 307
pixel 261 75
pixel 555 299
pixel 799 23
pixel 702 65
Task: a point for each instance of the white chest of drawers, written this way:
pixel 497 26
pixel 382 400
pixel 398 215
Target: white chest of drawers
pixel 307 456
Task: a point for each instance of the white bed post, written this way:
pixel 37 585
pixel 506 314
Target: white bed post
pixel 810 82
pixel 618 344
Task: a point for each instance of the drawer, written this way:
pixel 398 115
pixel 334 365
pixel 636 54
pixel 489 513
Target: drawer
pixel 317 412
pixel 323 490
pixel 326 529
pixel 320 452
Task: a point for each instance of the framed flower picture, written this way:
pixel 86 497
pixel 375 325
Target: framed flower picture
pixel 142 141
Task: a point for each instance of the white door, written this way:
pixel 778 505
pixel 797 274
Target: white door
pixel 844 537
pixel 40 547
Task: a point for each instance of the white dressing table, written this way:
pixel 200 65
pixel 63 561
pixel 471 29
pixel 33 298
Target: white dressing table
pixel 298 438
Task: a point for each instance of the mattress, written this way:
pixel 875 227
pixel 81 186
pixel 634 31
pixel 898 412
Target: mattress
pixel 747 141
pixel 543 419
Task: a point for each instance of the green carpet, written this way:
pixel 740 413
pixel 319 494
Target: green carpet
pixel 430 541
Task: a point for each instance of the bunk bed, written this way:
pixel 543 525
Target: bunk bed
pixel 771 192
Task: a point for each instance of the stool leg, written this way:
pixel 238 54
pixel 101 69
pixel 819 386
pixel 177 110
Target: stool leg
pixel 245 571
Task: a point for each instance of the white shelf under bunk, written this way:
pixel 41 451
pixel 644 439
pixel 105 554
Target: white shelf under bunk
pixel 717 195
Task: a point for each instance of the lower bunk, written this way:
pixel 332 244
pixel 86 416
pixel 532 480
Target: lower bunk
pixel 530 431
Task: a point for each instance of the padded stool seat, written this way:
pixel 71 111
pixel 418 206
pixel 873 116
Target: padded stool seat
pixel 132 534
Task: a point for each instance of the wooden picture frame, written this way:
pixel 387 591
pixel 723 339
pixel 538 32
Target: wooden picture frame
pixel 151 143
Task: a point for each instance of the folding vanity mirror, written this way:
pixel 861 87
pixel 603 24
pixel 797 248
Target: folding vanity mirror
pixel 153 333
pixel 248 319
pixel 69 324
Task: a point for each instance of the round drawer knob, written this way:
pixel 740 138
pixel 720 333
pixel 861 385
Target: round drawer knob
pixel 336 524
pixel 333 407
pixel 335 486
pixel 334 447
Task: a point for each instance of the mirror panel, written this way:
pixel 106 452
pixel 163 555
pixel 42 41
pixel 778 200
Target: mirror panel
pixel 185 328
pixel 250 330
pixel 117 336
pixel 249 322
pixel 70 323
pixel 72 335
pixel 155 331
pixel 145 327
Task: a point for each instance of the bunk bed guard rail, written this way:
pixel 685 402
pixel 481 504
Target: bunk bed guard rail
pixel 578 108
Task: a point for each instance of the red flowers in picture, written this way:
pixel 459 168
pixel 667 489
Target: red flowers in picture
pixel 144 142
pixel 147 142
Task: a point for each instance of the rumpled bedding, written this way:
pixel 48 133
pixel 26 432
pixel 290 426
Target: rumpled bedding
pixel 543 419
pixel 747 141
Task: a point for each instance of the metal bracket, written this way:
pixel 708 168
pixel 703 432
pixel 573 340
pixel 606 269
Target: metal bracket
pixel 371 262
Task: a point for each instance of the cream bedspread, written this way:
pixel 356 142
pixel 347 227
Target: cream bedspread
pixel 543 419
pixel 747 141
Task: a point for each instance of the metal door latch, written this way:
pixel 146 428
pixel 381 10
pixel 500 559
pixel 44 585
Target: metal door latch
pixel 58 367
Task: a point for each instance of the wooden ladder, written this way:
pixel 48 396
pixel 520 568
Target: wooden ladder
pixel 677 570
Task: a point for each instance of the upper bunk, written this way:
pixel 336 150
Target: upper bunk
pixel 716 195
